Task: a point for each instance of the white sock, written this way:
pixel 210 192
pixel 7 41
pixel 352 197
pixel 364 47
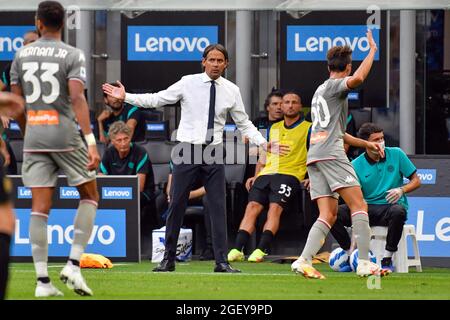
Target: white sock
pixel 388 254
pixel 41 269
pixel 361 230
pixel 303 260
pixel 39 243
pixel 84 222
pixel 316 239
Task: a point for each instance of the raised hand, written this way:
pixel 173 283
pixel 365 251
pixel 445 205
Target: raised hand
pixel 115 92
pixel 372 43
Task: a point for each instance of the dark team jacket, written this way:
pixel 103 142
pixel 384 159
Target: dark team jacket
pixel 137 161
pixel 128 112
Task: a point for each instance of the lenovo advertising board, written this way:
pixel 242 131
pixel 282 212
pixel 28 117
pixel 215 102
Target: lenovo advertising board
pixel 116 232
pixel 304 43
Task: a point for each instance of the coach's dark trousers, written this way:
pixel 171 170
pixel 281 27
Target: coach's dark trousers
pixel 183 177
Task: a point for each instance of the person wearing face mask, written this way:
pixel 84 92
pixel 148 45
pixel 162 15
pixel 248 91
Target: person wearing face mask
pixel 382 185
pixel 117 110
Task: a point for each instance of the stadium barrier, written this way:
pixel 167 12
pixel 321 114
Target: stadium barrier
pixel 429 209
pixel 116 232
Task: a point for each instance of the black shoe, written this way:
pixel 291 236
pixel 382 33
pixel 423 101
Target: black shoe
pixel 207 254
pixel 386 264
pixel 165 266
pixel 225 267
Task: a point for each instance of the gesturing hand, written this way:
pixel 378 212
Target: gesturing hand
pixel 115 92
pixel 372 42
pixel 277 148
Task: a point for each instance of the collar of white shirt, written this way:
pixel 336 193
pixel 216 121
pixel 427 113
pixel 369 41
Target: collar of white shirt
pixel 206 78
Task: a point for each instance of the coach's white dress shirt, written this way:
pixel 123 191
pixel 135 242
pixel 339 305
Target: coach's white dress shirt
pixel 193 93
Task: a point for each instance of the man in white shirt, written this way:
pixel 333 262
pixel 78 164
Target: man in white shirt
pixel 205 99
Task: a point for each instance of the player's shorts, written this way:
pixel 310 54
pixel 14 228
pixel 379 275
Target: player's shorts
pixel 274 188
pixel 41 169
pixel 330 175
pixel 5 188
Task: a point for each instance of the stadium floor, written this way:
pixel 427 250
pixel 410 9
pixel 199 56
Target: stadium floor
pixel 264 281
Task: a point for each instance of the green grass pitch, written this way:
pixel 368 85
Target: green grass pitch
pixel 264 281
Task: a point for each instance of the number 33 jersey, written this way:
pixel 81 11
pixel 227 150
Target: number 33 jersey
pixel 329 108
pixel 43 69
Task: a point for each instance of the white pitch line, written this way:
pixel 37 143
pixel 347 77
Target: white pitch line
pixel 62 265
pixel 188 273
pixel 207 273
pixel 57 266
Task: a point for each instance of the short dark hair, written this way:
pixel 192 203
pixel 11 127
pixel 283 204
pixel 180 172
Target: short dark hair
pixel 115 84
pixel 292 91
pixel 274 93
pixel 367 129
pixel 51 13
pixel 217 47
pixel 339 57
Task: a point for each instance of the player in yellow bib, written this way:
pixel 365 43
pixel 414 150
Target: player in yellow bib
pixel 276 183
pixel 294 163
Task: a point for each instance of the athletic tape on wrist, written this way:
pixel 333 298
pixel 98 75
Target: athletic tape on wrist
pixel 90 139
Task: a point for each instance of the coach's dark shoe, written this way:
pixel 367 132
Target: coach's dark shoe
pixel 165 266
pixel 225 267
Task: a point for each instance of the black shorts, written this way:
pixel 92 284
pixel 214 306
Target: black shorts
pixel 5 188
pixel 274 188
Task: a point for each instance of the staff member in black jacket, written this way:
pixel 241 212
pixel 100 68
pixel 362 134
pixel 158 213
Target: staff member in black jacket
pixel 205 99
pixel 126 158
